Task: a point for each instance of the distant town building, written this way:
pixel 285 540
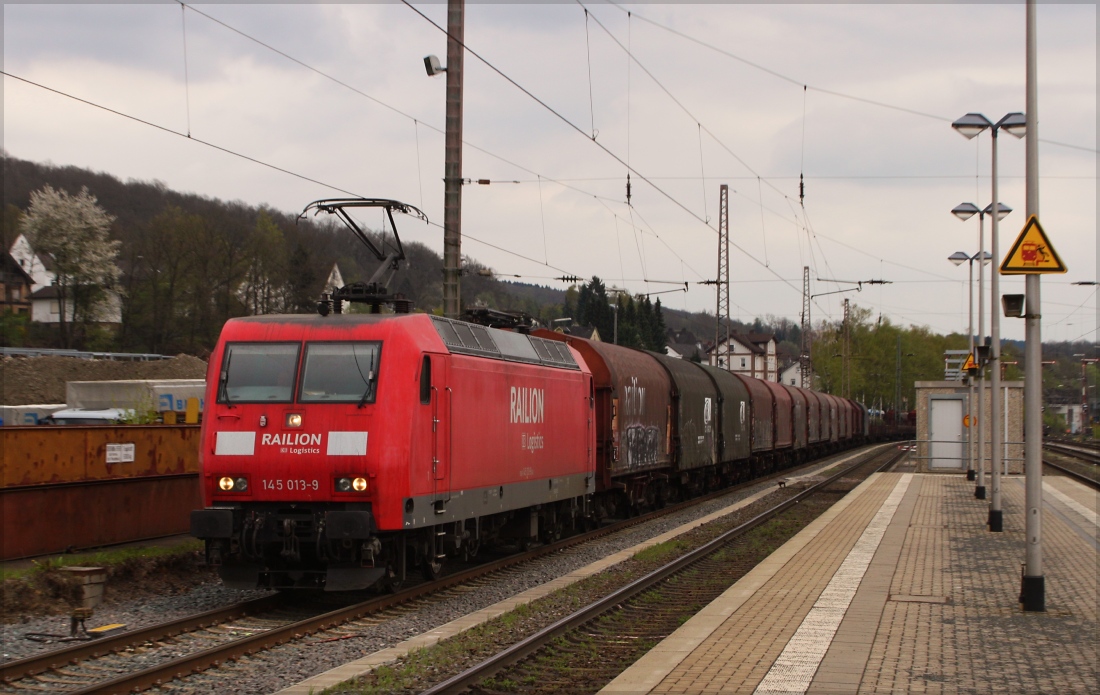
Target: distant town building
pixel 45 302
pixel 684 345
pixel 792 375
pixel 751 354
pixel 586 332
pixel 17 286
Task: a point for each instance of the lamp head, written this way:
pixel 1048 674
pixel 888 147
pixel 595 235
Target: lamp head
pixel 1002 210
pixel 958 258
pixel 432 66
pixel 1015 123
pixel 964 211
pixel 971 124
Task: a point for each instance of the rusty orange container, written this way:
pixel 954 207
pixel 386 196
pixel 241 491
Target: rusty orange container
pixel 80 487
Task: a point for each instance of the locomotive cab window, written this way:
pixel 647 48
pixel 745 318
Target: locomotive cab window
pixel 426 380
pixel 340 373
pixel 258 373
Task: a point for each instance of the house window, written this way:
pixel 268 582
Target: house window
pixel 742 363
pixel 55 307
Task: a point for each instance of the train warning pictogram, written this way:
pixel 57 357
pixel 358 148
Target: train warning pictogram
pixel 1032 252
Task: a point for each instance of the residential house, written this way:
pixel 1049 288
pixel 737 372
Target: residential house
pixel 751 354
pixel 684 345
pixel 17 286
pixel 792 375
pixel 586 332
pixel 45 304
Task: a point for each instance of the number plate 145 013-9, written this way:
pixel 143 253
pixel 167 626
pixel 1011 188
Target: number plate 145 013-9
pixel 291 485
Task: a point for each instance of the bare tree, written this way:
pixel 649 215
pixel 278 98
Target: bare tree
pixel 73 231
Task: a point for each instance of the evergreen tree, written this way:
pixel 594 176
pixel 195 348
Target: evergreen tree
pixel 660 330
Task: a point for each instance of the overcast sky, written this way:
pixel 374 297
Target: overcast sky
pixel 857 97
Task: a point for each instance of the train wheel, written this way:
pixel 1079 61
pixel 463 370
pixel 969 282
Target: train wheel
pixel 392 582
pixel 432 568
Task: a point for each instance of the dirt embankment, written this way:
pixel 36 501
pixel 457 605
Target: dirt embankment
pixel 33 380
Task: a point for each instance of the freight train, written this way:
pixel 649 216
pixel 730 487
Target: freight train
pixel 340 451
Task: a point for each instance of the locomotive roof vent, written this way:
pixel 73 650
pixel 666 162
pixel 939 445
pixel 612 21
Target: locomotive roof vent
pixel 472 339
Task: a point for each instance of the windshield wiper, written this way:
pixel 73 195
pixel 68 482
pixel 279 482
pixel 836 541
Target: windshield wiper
pixel 370 381
pixel 223 380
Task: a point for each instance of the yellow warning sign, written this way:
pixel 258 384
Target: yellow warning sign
pixel 1032 252
pixel 970 363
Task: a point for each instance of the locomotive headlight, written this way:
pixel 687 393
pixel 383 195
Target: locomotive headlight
pixel 294 420
pixel 351 484
pixel 234 485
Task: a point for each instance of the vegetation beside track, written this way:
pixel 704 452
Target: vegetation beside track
pixel 42 588
pixel 420 669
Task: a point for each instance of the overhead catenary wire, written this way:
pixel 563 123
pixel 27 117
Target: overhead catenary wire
pixel 830 92
pixel 539 177
pixel 248 158
pixel 562 182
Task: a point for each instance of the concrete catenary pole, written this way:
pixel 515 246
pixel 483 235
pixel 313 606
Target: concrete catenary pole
pixel 1032 590
pixel 452 169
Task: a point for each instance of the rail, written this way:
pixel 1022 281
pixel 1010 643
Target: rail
pixel 532 643
pixel 214 656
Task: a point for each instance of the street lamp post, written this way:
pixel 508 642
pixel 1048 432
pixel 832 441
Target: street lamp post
pixel 958 258
pixel 964 211
pixel 970 126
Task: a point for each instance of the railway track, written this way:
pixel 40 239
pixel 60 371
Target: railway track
pixel 141 659
pixel 587 648
pixel 1082 453
pixel 1075 461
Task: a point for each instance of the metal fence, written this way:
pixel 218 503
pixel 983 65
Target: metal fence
pixel 50 352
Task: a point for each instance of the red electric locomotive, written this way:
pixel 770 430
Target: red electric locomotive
pixel 337 451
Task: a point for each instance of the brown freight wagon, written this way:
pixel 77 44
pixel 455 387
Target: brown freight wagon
pixel 784 425
pixel 633 408
pixel 694 409
pixel 799 417
pixel 734 414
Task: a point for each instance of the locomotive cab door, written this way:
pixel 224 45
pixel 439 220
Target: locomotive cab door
pixel 442 407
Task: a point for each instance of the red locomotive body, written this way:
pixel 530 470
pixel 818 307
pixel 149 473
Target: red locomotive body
pixel 338 450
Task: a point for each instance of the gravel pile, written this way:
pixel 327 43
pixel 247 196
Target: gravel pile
pixel 35 380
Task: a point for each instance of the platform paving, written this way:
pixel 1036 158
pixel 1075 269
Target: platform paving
pixel 900 588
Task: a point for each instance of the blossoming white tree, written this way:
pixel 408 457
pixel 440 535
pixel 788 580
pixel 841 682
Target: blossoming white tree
pixel 72 230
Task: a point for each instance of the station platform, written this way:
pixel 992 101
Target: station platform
pixel 900 588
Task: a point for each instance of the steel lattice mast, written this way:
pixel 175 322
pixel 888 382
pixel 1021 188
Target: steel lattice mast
pixel 807 338
pixel 722 331
pixel 847 354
